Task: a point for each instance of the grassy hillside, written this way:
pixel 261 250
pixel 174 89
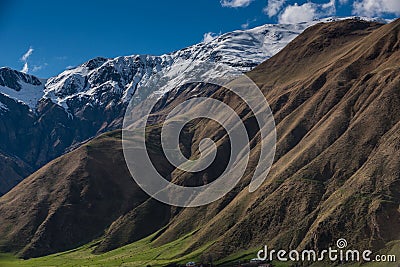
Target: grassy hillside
pixel 145 252
pixel 140 253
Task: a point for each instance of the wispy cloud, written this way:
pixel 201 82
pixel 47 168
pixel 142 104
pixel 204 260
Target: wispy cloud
pixel 209 36
pixel 273 7
pixel 25 68
pixel 235 3
pixel 376 7
pixel 327 9
pixel 247 24
pixel 39 67
pixel 25 58
pixel 27 54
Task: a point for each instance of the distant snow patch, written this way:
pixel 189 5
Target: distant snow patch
pixel 28 95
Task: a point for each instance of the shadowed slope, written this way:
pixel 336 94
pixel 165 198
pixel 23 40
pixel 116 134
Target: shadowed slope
pixel 70 201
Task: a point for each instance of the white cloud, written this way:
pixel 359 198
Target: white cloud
pixel 307 12
pixel 245 25
pixel 209 36
pixel 376 7
pixel 25 68
pixel 297 14
pixel 25 58
pixel 273 7
pixel 28 53
pixel 343 2
pixel 235 3
pixel 327 8
pixel 330 4
pixel 39 67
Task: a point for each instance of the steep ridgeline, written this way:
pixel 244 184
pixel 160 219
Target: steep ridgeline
pixel 334 92
pixel 41 119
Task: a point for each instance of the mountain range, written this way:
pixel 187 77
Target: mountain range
pixel 44 118
pixel 334 93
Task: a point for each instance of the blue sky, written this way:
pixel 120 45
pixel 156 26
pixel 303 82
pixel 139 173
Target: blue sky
pixel 44 37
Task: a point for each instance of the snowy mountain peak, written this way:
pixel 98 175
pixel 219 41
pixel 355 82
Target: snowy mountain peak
pixel 104 82
pixel 101 81
pixel 94 63
pixel 14 79
pixel 24 88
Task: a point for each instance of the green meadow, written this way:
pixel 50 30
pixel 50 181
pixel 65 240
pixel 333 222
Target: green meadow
pixel 140 253
pixel 145 252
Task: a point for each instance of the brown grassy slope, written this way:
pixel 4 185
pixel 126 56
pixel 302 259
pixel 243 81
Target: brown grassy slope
pixel 334 105
pixel 334 93
pixel 68 202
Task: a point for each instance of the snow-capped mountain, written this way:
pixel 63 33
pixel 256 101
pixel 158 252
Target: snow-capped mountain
pixel 106 81
pixel 22 87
